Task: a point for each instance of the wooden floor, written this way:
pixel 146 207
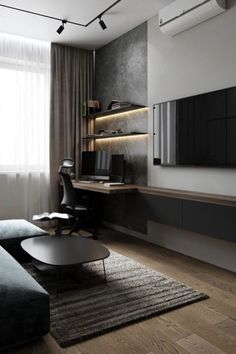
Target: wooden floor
pixel 206 327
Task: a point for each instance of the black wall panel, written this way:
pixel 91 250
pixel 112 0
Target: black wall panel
pixel 163 210
pixel 134 210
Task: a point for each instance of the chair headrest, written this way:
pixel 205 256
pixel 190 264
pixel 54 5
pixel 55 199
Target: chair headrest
pixel 67 163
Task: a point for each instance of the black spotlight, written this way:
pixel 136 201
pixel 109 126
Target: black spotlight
pixel 61 28
pixel 102 23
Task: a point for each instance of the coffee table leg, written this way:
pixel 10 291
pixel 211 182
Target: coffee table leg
pixel 104 269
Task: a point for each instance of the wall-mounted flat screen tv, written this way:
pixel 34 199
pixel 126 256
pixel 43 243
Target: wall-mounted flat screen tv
pixel 196 131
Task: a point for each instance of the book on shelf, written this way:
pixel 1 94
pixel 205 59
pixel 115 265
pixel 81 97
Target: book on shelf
pixel 117 105
pixel 50 216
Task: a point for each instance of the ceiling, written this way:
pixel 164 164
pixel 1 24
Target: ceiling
pixel 121 18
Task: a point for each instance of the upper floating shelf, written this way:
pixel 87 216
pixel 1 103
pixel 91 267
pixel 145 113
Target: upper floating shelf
pixel 111 112
pixel 100 136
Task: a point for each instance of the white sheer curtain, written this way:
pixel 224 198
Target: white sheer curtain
pixel 24 127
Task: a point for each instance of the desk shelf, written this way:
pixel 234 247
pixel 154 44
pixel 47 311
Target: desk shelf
pixel 105 136
pixel 111 112
pixel 100 188
pixel 129 124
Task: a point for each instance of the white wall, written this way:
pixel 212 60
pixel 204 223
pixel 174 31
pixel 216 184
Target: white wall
pixel 198 60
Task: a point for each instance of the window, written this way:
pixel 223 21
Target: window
pixel 24 127
pixel 24 105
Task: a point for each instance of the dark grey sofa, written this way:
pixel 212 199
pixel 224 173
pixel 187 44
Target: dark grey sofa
pixel 24 304
pixel 13 231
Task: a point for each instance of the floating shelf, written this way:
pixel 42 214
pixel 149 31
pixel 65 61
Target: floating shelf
pixel 132 107
pixel 99 136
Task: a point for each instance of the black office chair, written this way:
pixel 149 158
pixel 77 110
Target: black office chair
pixel 76 204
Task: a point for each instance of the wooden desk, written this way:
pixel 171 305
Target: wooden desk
pixel 100 188
pixel 210 198
pixel 165 192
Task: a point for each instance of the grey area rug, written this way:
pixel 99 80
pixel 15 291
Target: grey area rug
pixel 89 306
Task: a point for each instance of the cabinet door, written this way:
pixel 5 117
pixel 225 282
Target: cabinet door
pixel 231 102
pixel 163 210
pixel 135 209
pixel 217 221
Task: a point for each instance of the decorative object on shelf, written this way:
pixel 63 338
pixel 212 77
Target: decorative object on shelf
pixel 118 131
pixel 114 104
pixel 109 132
pixel 111 103
pixel 91 107
pixel 121 105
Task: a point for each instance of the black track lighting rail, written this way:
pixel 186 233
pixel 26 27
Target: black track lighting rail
pixel 41 15
pixel 62 19
pixel 102 13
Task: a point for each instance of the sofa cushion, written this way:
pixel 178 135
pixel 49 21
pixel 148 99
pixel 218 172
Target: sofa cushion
pixel 13 231
pixel 24 304
pixel 19 228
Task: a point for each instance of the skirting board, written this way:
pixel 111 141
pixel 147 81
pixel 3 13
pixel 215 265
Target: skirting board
pixel 217 252
pixel 125 230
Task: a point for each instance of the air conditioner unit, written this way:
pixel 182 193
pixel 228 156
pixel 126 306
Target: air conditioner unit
pixel 183 14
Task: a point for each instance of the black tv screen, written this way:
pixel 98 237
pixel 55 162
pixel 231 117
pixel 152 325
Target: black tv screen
pixel 196 131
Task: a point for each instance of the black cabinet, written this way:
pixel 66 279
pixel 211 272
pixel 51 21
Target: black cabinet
pixel 134 210
pixel 163 210
pixel 217 221
pixel 231 102
pixel 231 145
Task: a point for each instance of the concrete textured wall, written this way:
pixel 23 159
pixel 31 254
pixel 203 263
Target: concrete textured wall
pixel 121 74
pixel 121 68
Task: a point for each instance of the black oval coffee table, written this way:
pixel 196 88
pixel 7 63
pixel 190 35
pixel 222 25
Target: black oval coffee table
pixel 65 250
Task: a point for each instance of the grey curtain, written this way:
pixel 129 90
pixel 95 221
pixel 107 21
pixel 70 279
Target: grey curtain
pixel 71 85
